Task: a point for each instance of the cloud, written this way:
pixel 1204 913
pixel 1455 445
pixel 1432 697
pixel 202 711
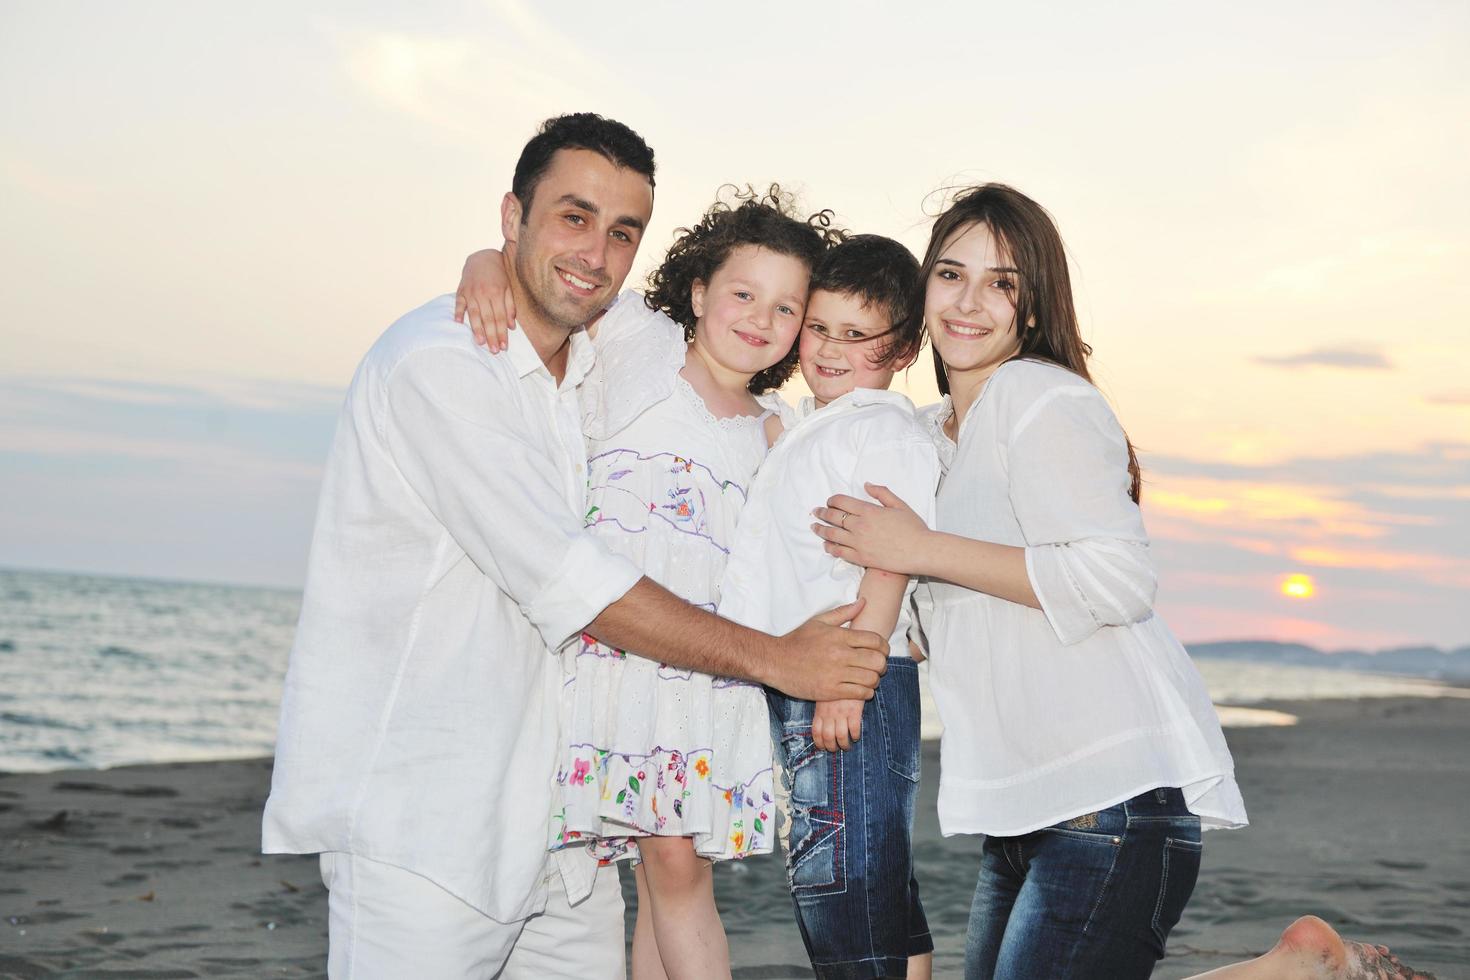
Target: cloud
pixel 1432 468
pixel 1351 358
pixel 253 423
pixel 1383 533
pixel 467 86
pixel 1455 398
pixel 213 482
pixel 45 182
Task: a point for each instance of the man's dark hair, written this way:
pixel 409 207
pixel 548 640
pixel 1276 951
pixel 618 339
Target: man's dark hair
pixel 883 275
pixel 578 131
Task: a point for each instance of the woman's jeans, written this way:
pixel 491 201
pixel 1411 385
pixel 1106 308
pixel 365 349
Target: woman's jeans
pixel 850 866
pixel 1090 897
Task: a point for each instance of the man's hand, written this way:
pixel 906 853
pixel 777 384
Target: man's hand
pixel 837 724
pixel 821 661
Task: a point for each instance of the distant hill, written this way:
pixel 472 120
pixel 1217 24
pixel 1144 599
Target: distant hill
pixel 1428 662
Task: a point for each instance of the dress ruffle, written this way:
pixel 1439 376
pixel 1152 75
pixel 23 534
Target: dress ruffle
pixel 649 777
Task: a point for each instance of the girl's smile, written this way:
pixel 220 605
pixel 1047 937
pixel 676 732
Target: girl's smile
pixel 970 305
pixel 750 310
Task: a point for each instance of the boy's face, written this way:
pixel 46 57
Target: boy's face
pixel 839 341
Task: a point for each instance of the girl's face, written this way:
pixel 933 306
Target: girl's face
pixel 750 310
pixel 970 304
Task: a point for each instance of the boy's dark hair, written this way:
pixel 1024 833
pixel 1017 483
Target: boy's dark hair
pixel 578 131
pixel 883 274
pixel 767 220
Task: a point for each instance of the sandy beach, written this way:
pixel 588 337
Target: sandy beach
pixel 1357 815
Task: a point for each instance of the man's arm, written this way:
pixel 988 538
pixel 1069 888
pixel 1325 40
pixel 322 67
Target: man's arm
pixel 457 440
pixel 817 661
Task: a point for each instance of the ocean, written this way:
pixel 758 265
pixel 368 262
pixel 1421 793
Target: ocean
pixel 98 672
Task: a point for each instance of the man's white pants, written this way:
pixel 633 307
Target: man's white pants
pixel 385 923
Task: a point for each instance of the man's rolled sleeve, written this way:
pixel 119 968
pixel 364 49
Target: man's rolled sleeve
pixel 588 579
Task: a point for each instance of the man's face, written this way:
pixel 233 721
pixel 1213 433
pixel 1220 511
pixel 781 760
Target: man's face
pixel 572 250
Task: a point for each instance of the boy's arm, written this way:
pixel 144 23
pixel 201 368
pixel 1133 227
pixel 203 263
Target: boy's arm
pixel 837 724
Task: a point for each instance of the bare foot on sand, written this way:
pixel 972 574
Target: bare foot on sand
pixel 1310 949
pixel 1339 959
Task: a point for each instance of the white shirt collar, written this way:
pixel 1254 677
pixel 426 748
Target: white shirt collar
pixel 523 356
pixel 856 398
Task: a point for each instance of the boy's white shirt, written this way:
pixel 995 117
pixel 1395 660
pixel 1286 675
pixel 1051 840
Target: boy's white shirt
pixel 779 575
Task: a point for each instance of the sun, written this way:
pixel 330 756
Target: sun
pixel 1298 587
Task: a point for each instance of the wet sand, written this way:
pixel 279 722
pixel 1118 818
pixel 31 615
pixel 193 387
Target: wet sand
pixel 1358 815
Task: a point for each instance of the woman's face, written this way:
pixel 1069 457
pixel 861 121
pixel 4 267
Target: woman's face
pixel 970 304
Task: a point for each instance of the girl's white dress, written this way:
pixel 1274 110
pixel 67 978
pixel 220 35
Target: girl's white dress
pixel 649 748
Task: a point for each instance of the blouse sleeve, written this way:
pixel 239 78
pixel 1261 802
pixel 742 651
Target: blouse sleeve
pixel 1087 553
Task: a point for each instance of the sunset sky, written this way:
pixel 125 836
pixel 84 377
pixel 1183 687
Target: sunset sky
pixel 212 210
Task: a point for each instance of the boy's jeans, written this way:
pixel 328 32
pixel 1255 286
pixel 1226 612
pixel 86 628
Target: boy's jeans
pixel 1090 897
pixel 850 866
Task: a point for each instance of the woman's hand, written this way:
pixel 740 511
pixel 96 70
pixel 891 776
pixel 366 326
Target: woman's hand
pixel 484 293
pixel 837 724
pixel 886 535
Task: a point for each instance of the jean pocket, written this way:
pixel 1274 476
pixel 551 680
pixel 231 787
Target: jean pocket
pixel 816 862
pixel 1081 868
pixel 897 702
pixel 1176 883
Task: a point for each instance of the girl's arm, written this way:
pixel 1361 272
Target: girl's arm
pixel 1086 562
pixel 837 724
pixel 484 293
pixel 890 535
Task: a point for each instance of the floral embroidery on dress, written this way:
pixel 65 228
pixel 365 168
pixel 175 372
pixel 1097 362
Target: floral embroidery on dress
pixel 649 748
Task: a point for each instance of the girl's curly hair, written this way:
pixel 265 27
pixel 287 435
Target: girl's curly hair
pixel 768 220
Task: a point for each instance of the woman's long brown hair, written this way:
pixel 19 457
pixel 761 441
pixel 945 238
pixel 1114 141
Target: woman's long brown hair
pixel 1046 319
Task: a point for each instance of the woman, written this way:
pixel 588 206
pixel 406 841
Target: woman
pixel 1078 736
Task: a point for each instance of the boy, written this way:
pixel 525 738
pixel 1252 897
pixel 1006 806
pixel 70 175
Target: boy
pixel 850 864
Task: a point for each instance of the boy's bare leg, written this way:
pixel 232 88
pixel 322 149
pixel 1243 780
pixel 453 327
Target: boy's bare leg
pixel 686 925
pixel 1310 949
pixel 646 962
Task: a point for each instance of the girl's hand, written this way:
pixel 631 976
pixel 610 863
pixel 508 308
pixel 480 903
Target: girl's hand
pixel 484 293
pixel 837 724
pixel 886 535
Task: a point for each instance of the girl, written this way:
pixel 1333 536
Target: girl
pixel 667 765
pixel 1077 735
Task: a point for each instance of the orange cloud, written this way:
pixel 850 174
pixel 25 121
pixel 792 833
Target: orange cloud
pixel 1306 524
pixel 1310 511
pixel 1438 569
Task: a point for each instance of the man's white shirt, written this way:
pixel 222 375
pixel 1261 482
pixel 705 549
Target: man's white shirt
pixel 418 722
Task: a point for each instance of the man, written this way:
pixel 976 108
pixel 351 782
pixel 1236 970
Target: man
pixel 418 724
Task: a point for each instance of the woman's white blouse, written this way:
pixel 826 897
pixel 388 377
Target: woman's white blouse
pixel 1055 713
